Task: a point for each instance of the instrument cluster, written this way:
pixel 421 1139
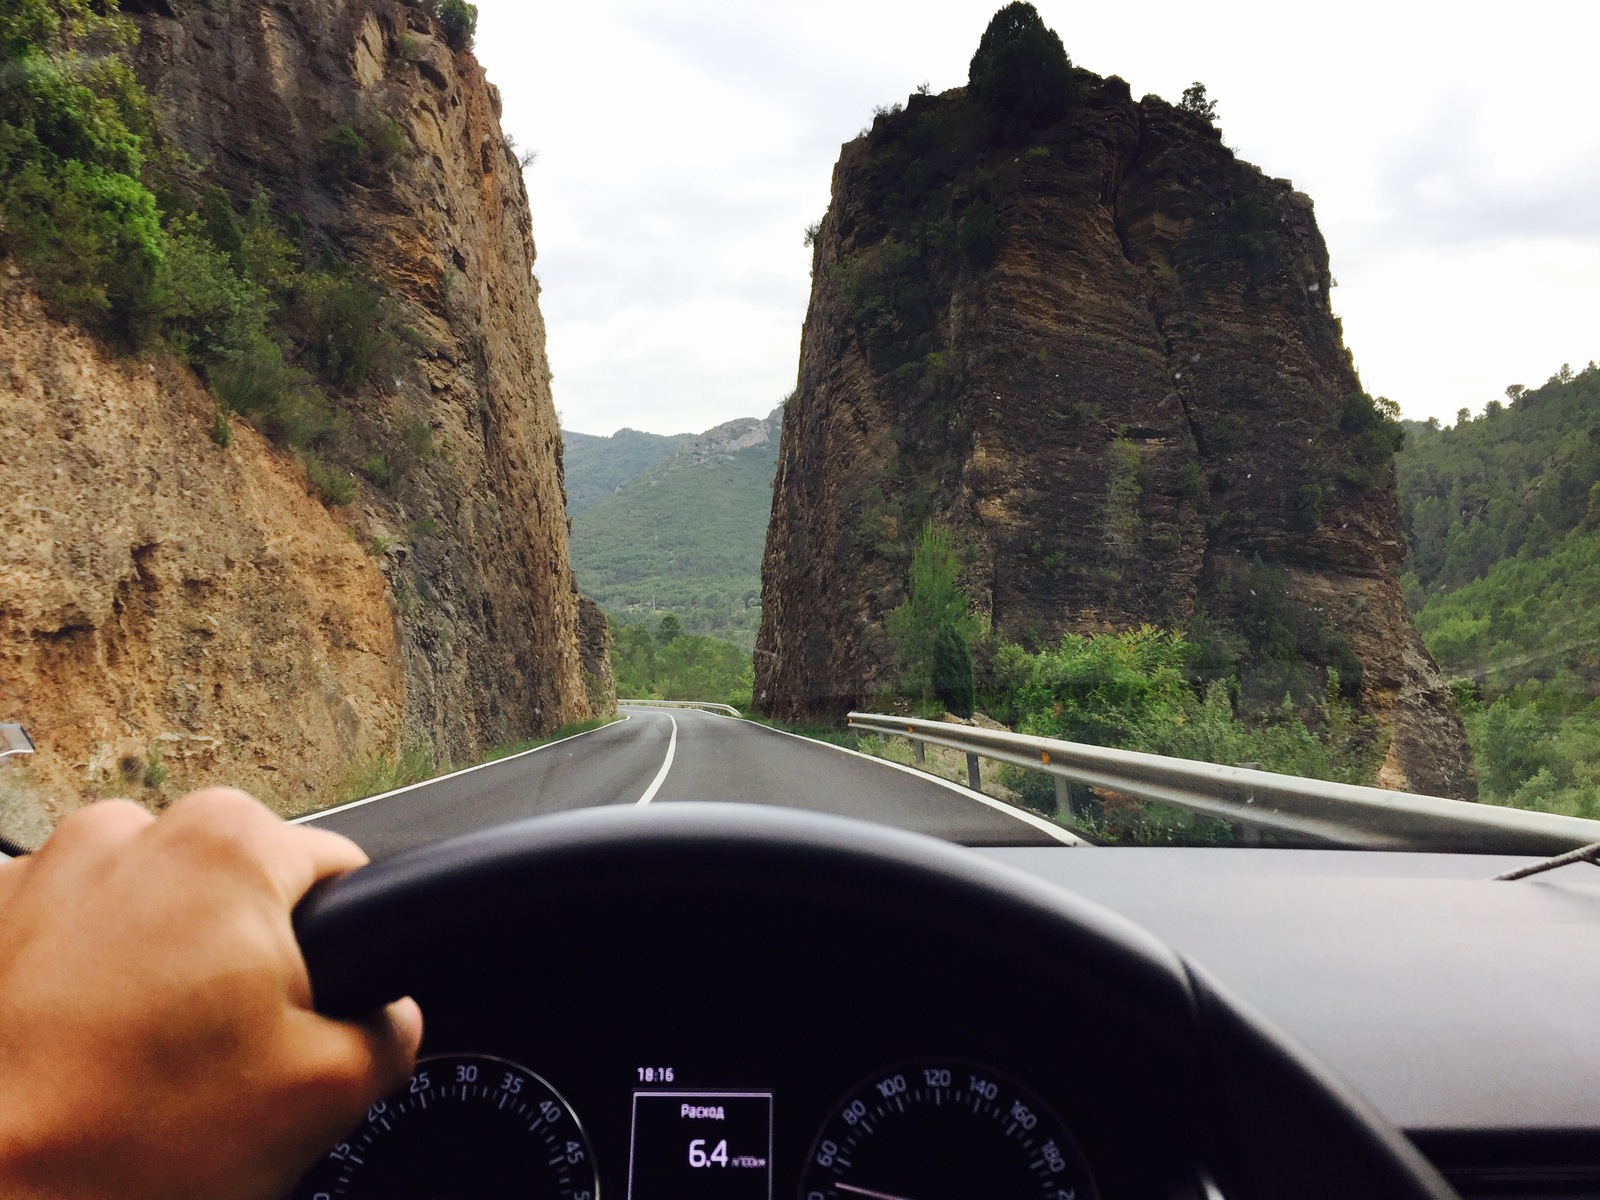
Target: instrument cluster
pixel 477 1125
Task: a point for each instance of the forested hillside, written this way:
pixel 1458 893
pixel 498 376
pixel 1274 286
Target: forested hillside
pixel 1519 474
pixel 597 466
pixel 1502 516
pixel 686 535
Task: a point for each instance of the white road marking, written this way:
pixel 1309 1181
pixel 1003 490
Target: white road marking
pixel 328 812
pixel 666 764
pixel 1065 836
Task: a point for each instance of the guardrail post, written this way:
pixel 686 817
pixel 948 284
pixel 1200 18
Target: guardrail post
pixel 919 752
pixel 973 781
pixel 1063 795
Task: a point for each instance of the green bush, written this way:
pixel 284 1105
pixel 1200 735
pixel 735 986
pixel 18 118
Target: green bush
pixel 935 603
pixel 460 21
pixel 1020 74
pixel 93 240
pixel 329 484
pixel 279 397
pixel 978 234
pixel 212 313
pixel 377 469
pixel 457 18
pixel 340 152
pixel 345 328
pixel 951 671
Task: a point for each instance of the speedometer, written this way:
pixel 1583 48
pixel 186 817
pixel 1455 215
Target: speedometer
pixel 466 1126
pixel 940 1129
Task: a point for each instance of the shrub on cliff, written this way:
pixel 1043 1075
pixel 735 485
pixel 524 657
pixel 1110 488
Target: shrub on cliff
pixel 457 18
pixel 1021 74
pixel 72 205
pixel 978 234
pixel 1197 104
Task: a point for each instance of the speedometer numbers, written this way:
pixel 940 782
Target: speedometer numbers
pixel 466 1126
pixel 939 1130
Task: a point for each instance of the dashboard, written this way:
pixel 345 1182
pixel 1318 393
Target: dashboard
pixel 713 1001
pixel 705 1087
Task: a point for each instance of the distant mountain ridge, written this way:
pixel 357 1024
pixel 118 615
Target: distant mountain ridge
pixel 597 466
pixel 684 531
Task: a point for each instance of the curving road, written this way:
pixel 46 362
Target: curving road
pixel 656 756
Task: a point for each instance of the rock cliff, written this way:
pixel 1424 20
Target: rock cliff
pixel 291 638
pixel 172 613
pixel 1104 355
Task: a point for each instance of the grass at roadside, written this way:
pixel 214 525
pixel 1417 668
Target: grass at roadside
pixel 416 763
pixel 848 738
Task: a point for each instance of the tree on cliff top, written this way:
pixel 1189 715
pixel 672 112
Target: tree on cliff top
pixel 1197 104
pixel 1021 73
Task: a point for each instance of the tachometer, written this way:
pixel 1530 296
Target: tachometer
pixel 463 1126
pixel 941 1129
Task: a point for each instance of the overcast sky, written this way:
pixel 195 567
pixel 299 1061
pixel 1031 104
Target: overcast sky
pixel 1453 152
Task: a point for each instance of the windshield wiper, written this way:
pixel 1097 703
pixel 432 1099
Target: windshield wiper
pixel 1588 854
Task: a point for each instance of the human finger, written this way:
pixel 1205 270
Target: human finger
pixel 231 823
pixel 96 828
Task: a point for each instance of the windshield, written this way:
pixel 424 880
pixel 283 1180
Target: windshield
pixel 959 419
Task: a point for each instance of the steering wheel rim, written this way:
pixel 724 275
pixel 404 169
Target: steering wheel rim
pixel 1254 1111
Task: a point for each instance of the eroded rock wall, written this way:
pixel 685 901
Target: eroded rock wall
pixel 171 613
pixel 477 536
pixel 440 608
pixel 1124 389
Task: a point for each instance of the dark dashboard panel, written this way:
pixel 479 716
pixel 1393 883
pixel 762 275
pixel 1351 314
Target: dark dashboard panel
pixel 1451 1000
pixel 804 1042
pixel 827 964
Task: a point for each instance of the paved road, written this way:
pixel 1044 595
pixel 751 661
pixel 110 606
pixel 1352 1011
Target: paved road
pixel 657 757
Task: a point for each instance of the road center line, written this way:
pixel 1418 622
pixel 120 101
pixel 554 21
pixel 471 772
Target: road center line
pixel 666 764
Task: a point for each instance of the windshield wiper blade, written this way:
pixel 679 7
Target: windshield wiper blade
pixel 1588 854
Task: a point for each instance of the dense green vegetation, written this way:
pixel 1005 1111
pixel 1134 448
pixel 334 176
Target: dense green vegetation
pixel 686 535
pixel 668 664
pixel 595 467
pixel 1501 513
pixel 1145 689
pixel 1521 474
pixel 120 233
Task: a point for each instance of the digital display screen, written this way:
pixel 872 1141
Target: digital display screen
pixel 708 1145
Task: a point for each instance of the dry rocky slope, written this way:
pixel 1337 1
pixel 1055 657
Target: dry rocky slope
pixel 1121 385
pixel 166 594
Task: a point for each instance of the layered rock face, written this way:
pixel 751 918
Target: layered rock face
pixel 457 585
pixel 172 613
pixel 1105 357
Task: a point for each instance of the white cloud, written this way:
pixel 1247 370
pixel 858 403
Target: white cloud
pixel 685 147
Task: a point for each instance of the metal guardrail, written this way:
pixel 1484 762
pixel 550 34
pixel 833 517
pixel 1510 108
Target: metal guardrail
pixel 14 739
pixel 725 709
pixel 1332 813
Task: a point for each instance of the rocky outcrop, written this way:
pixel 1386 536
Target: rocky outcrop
pixel 449 614
pixel 1105 357
pixel 594 652
pixel 489 619
pixel 172 613
pixel 742 433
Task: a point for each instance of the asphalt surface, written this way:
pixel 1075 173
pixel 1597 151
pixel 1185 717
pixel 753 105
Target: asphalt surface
pixel 711 758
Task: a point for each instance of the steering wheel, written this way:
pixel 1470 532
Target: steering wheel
pixel 605 895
